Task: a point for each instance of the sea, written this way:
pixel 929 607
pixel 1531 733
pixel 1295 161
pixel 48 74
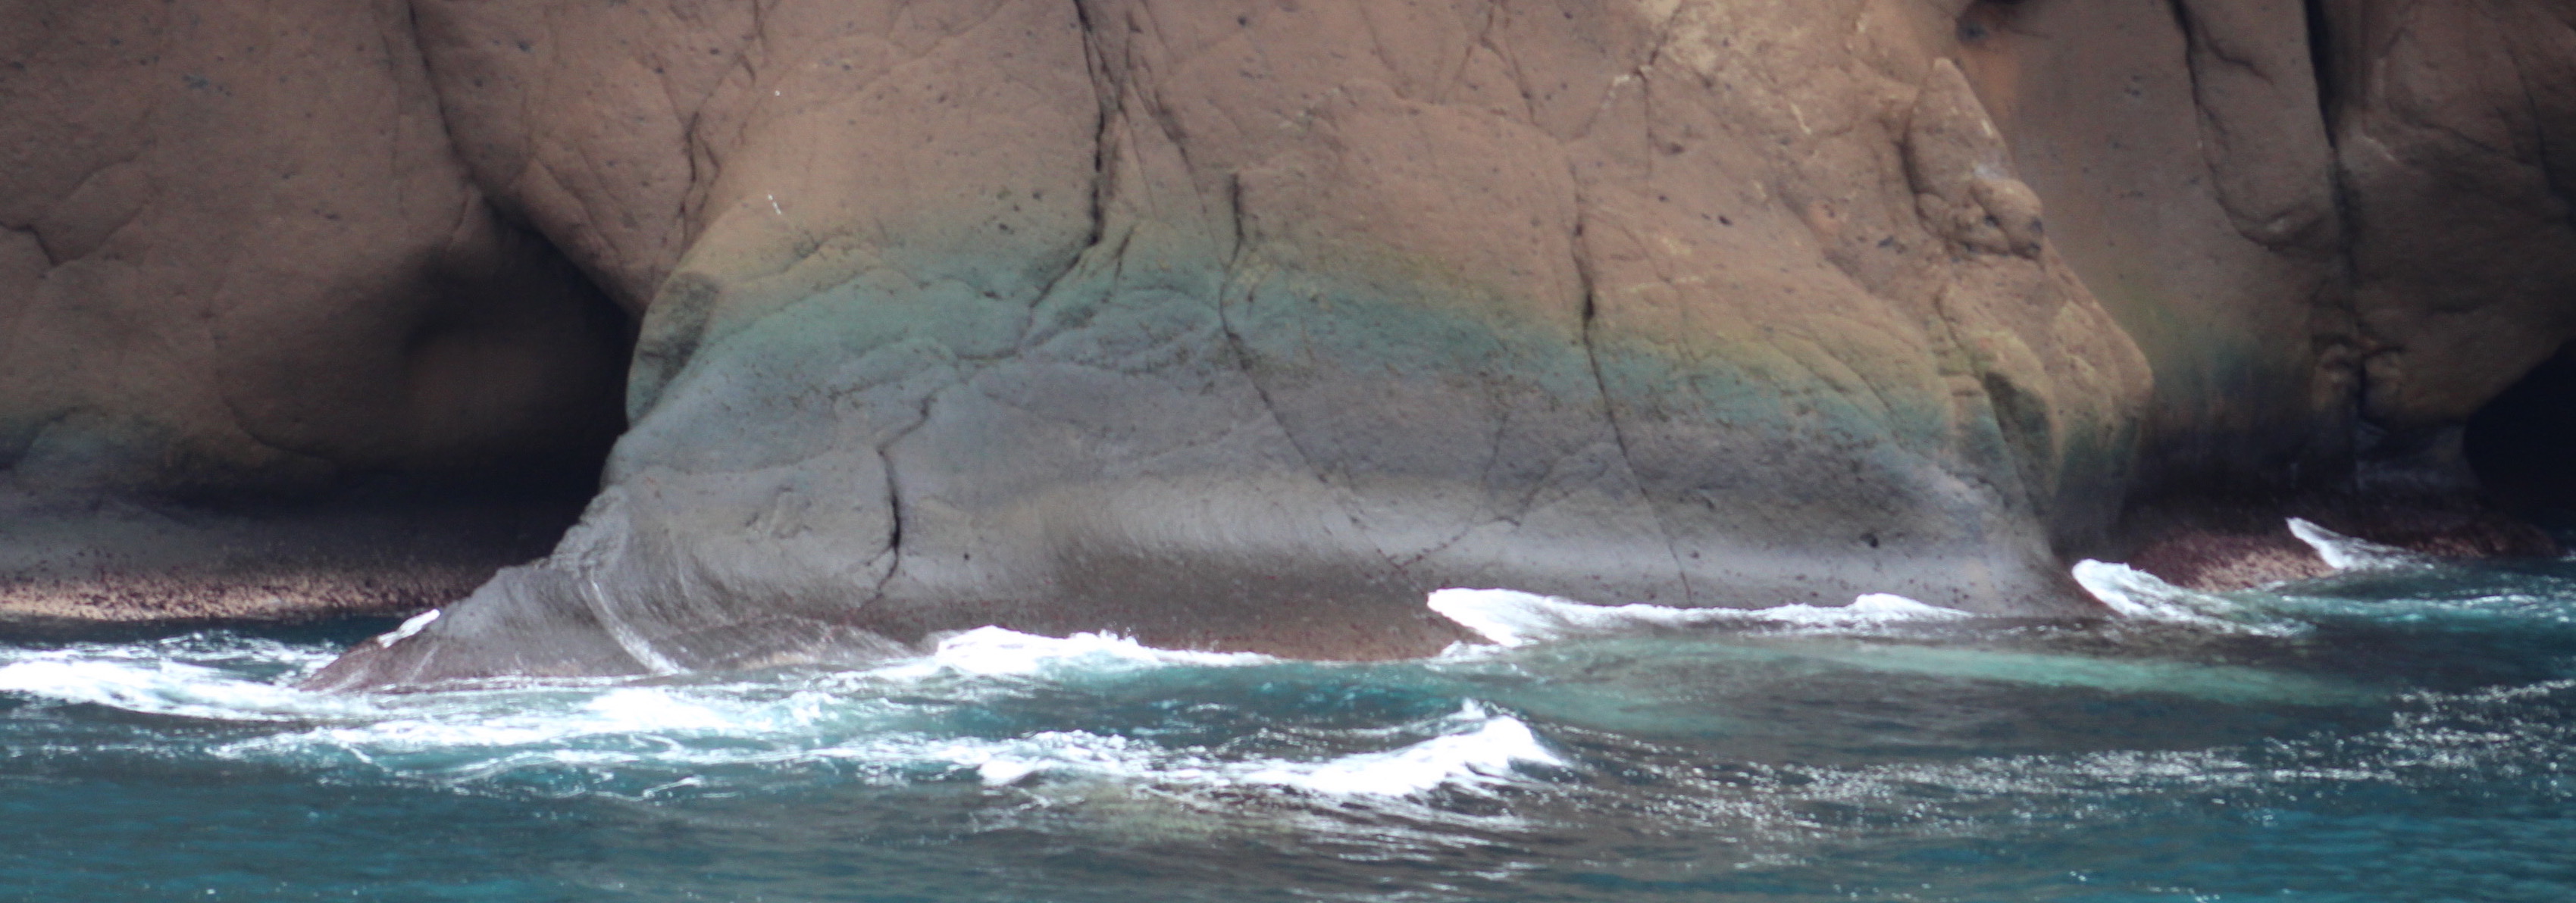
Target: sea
pixel 2401 731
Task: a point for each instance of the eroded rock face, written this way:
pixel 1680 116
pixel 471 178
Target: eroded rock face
pixel 2332 228
pixel 2191 183
pixel 241 263
pixel 238 254
pixel 2456 133
pixel 1241 326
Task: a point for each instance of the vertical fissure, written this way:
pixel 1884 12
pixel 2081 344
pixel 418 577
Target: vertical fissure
pixel 2182 20
pixel 2341 298
pixel 1610 412
pixel 2321 62
pixel 1104 97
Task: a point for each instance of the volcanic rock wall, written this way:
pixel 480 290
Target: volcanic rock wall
pixel 242 266
pixel 1242 324
pixel 2455 130
pixel 2191 181
pixel 2332 228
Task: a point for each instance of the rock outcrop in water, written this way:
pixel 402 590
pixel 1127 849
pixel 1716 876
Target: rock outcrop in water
pixel 1243 325
pixel 1129 316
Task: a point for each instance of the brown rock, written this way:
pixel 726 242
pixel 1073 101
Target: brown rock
pixel 1241 325
pixel 2190 183
pixel 239 262
pixel 239 255
pixel 2456 131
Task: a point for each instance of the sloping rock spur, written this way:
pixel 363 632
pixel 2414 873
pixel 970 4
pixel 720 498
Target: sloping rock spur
pixel 1242 327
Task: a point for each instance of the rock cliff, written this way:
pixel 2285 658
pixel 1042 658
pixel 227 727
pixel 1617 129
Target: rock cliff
pixel 1243 324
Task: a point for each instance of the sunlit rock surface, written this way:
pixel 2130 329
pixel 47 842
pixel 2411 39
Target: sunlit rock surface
pixel 1242 325
pixel 1245 327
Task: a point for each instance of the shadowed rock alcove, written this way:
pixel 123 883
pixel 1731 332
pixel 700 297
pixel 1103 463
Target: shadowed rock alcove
pixel 408 459
pixel 2523 444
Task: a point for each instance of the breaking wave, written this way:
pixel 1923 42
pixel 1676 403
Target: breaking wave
pixel 1584 752
pixel 645 738
pixel 2348 553
pixel 1514 618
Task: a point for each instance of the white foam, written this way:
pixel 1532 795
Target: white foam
pixel 168 688
pixel 1479 753
pixel 1880 608
pixel 2140 596
pixel 2347 553
pixel 1477 759
pixel 1515 618
pixel 1006 762
pixel 657 738
pixel 155 678
pixel 632 708
pixel 411 627
pixel 649 726
pixel 994 651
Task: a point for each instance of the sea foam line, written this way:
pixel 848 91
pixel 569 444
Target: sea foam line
pixel 623 738
pixel 2350 553
pixel 1480 752
pixel 1514 618
pixel 171 688
pixel 996 651
pixel 2137 595
pixel 627 745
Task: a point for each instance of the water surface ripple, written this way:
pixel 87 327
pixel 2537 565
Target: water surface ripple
pixel 2394 735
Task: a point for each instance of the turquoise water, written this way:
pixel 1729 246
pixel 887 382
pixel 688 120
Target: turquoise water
pixel 2395 736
